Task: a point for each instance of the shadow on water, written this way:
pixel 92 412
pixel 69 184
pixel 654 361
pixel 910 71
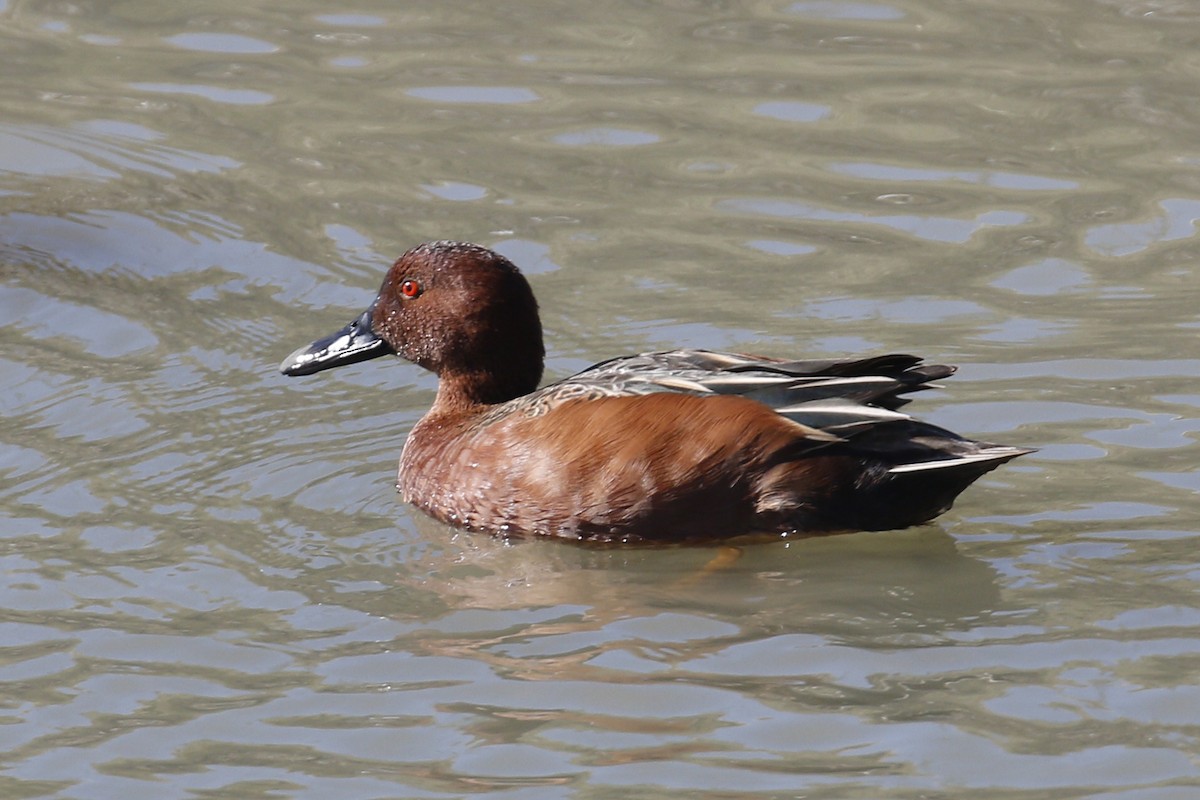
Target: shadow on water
pixel 916 579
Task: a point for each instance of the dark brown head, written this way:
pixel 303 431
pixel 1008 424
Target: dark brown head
pixel 456 309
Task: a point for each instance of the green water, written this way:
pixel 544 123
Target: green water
pixel 210 588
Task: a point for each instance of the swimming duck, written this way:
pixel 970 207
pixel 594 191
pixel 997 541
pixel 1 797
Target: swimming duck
pixel 666 446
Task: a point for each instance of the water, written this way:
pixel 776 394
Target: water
pixel 210 588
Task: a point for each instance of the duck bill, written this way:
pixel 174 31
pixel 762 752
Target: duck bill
pixel 353 343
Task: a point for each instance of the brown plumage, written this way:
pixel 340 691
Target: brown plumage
pixel 682 445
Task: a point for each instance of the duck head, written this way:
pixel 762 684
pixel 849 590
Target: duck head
pixel 459 310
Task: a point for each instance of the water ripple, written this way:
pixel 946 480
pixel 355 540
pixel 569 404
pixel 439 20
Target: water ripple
pixel 211 587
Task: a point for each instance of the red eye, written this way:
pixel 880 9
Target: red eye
pixel 410 288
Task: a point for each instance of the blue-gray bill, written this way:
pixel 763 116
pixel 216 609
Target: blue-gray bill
pixel 353 343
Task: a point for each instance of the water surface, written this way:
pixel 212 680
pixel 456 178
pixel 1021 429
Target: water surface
pixel 210 588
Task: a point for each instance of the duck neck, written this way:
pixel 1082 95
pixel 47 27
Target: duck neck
pixel 464 391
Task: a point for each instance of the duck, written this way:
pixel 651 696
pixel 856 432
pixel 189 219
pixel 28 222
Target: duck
pixel 662 447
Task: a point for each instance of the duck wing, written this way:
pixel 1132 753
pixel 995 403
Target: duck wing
pixel 854 401
pixel 879 381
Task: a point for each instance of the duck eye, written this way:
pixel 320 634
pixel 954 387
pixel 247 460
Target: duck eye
pixel 410 288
